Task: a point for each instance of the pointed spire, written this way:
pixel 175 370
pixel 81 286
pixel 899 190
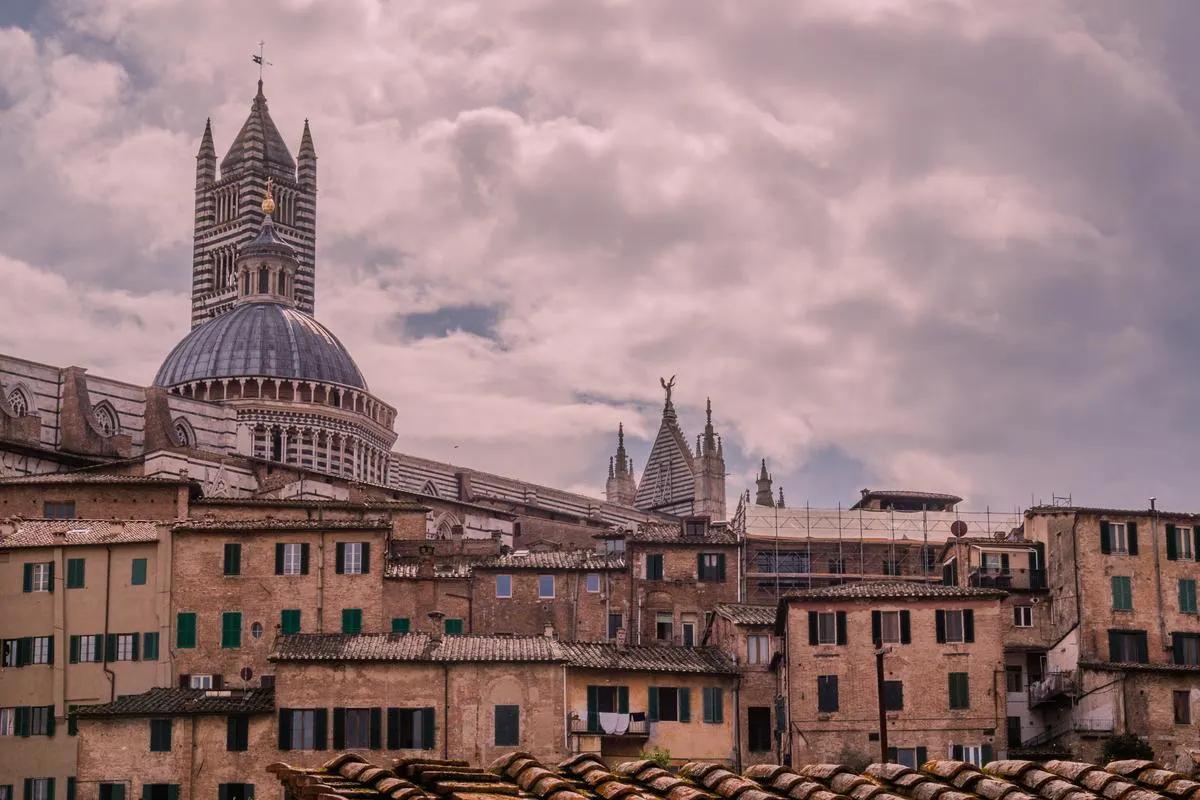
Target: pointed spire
pixel 780 503
pixel 610 466
pixel 260 95
pixel 762 474
pixel 710 441
pixel 206 141
pixel 764 496
pixel 306 142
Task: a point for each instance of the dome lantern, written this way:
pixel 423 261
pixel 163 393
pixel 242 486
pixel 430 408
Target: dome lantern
pixel 267 265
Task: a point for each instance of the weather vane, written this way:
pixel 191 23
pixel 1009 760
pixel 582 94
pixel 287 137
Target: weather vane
pixel 258 59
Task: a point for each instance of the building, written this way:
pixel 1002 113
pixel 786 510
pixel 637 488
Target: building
pixel 941 686
pixel 746 634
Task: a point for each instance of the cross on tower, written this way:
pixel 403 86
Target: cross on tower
pixel 258 59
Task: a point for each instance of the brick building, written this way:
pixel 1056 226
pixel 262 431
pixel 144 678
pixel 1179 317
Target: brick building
pixel 746 634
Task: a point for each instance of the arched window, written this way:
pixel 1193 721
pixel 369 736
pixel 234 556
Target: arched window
pixel 19 402
pixel 264 280
pixel 106 418
pixel 429 489
pixel 183 433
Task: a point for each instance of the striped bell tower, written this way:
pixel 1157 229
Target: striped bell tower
pixel 229 211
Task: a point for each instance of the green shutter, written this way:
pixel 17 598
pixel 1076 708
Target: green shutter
pixel 50 565
pixel 185 629
pixel 75 573
pixel 366 557
pixel 652 703
pixel 351 620
pixel 960 696
pixel 399 624
pixel 27 579
pixel 454 626
pixel 278 558
pixel 289 620
pixel 1187 596
pixel 110 647
pixel 231 629
pixel 233 558
pixel 339 567
pixel 1172 550
pixel 622 699
pixel 304 559
pixel 74 656
pixel 427 728
pixel 150 646
pixel 685 704
pixel 133 655
pixel 138 574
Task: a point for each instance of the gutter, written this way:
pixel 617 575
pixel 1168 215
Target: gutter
pixel 446 711
pixel 112 676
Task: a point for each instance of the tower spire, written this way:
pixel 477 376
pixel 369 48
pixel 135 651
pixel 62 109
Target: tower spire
pixel 764 496
pixel 621 487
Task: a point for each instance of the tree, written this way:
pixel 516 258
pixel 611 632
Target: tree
pixel 1127 745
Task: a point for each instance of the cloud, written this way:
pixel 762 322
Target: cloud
pixel 941 245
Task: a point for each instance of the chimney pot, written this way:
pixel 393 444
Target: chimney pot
pixel 435 621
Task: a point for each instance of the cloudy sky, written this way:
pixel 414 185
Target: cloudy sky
pixel 939 245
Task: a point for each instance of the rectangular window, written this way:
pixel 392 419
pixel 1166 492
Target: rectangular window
pixel 58 509
pixel 75 573
pixel 827 693
pixel 893 695
pixel 235 791
pixel 293 558
pixel 545 587
pixel 758 723
pixel 237 733
pixel 1187 596
pixel 160 736
pixel 233 558
pixel 8 717
pixel 1122 593
pixel 711 567
pixel 289 620
pixel 508 726
pixel 1013 679
pixel 357 728
pixel 664 626
pixel 1023 616
pixel 504 586
pixel 85 649
pixel 112 791
pixel 354 561
pixel 615 622
pixel 137 572
pixel 200 681
pixel 39 789
pixel 889 627
pixel 970 753
pixel 1182 700
pixel 1118 534
pixel 954 626
pixel 1185 648
pixel 351 620
pixel 410 729
pixel 687 630
pixel 654 566
pixel 1182 538
pixel 758 649
pixel 714 704
pixel 42 650
pixel 126 647
pixel 837 566
pixel 185 629
pixel 453 626
pixel 160 791
pixel 150 646
pixel 41 721
pixel 39 577
pixel 669 704
pixel 298 728
pixel 231 629
pixel 400 625
pixel 592 582
pixel 960 694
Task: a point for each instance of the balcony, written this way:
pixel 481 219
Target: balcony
pixel 1054 687
pixel 994 578
pixel 636 727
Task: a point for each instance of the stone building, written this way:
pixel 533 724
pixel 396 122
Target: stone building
pixel 941 672
pixel 746 634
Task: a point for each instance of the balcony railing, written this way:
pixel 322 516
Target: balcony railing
pixel 638 726
pixel 1053 687
pixel 1086 726
pixel 994 577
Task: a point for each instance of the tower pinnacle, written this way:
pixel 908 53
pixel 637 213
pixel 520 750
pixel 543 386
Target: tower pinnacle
pixel 764 496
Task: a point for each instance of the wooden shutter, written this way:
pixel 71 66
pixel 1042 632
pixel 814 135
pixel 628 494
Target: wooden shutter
pixel 133 653
pixel 1131 532
pixel 812 628
pixel 304 559
pixel 986 754
pixel 285 729
pixel 110 647
pixel 1143 653
pixel 185 680
pixel 339 728
pixel 507 725
pixel 376 725
pixel 1105 537
pixel 320 726
pixel 1172 550
pixel 50 566
pixel 27 579
pixel 150 646
pixel 939 624
pixel 968 625
pixel 427 728
pixel 1114 646
pixel 718 704
pixel 685 704
pixel 279 558
pixel 956 752
pixel 366 557
pixel 1196 541
pixel 393 729
pixel 1177 648
pixel 840 617
pixel 74 655
pixel 922 756
pixel 652 703
pixel 339 562
pixel 700 567
pixel 876 627
pixel 593 708
pixel 905 627
pixel 622 699
pixel 721 567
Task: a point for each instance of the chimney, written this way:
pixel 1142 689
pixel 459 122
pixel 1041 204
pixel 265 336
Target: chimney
pixel 548 630
pixel 425 566
pixel 620 638
pixel 435 625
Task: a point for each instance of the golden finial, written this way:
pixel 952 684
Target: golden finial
pixel 268 204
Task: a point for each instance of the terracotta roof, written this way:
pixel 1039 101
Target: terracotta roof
pixel 92 478
pixel 672 533
pixel 73 532
pixel 399 569
pixel 745 614
pixel 570 559
pixel 412 647
pixel 647 658
pixel 398 505
pixel 497 648
pixel 1129 666
pixel 185 701
pixel 1111 512
pixel 234 525
pixel 889 590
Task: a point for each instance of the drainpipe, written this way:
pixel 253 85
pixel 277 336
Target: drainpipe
pixel 446 711
pixel 112 676
pixel 192 767
pixel 737 725
pixel 321 584
pixel 1162 623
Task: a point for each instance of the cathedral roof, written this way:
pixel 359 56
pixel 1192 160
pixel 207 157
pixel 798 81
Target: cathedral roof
pixel 667 478
pixel 259 135
pixel 260 339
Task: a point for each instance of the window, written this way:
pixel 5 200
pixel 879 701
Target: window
pixel 7 718
pixel 670 704
pixel 352 728
pixel 233 558
pixel 893 695
pixel 400 625
pixel 664 627
pixel 150 646
pixel 160 791
pixel 112 791
pixel 291 558
pixel 256 630
pixel 353 558
pixel 1182 701
pixel 1185 648
pixel 827 627
pixel 137 572
pixel 758 723
pixel 410 729
pixel 453 626
pixel 614 546
pixel 1181 543
pixel 1118 537
pixel 545 587
pixel 508 726
pixel 185 629
pixel 889 627
pixel 687 629
pixel 654 566
pixel 160 736
pixel 351 620
pixel 960 694
pixel 615 622
pixel 235 791
pixel 41 650
pixel 906 756
pixel 123 647
pixel 970 753
pixel 710 567
pixel 695 527
pixel 827 693
pixel 75 569
pixel 1023 616
pixel 1187 596
pixel 85 649
pixel 837 566
pixel 1013 731
pixel 58 509
pixel 758 648
pixel 714 704
pixel 39 789
pixel 1013 679
pixel 955 625
pixel 231 629
pixel 302 728
pixel 39 577
pixel 289 620
pixel 592 582
pixel 40 721
pixel 237 733
pixel 12 653
pixel 200 681
pixel 1122 593
pixel 504 586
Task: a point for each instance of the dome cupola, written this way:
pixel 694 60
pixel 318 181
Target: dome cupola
pixel 267 266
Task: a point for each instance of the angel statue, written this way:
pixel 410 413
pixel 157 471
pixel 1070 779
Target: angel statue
pixel 667 387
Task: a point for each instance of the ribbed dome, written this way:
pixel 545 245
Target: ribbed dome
pixel 260 339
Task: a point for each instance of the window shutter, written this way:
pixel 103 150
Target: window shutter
pixel 304 559
pixel 987 754
pixel 366 557
pixel 721 567
pixel 110 647
pixel 218 681
pixel 593 707
pixel 1004 563
pixel 29 789
pixel 427 728
pixel 622 699
pixel 320 726
pixel 376 724
pixel 27 585
pixel 285 729
pixel 134 653
pixel 876 627
pixel 50 789
pixel 1172 551
pixel 1114 646
pixel 393 729
pixel 231 737
pixel 1131 527
pixel 892 755
pixel 685 704
pixel 841 627
pixel 21 724
pixel 339 562
pixel 1143 653
pixel 172 791
pixel 51 585
pixel 939 622
pixel 185 680
pixel 699 566
pixel 223 792
pixel 812 627
pixel 652 702
pixel 905 627
pixel 339 728
pixel 706 703
pixel 279 558
pixel 968 625
pixel 24 651
pixel 75 646
pixel 150 647
pixel 1196 542
pixel 1105 537
pixel 922 756
pixel 718 705
pixel 956 752
pixel 1177 648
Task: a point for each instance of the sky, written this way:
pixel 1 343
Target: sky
pixel 945 246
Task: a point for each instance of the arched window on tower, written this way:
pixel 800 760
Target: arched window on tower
pixel 19 402
pixel 264 280
pixel 106 418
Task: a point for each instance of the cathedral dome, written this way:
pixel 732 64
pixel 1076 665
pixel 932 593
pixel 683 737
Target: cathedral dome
pixel 260 339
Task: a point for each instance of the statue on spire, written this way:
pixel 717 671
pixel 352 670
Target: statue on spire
pixel 667 387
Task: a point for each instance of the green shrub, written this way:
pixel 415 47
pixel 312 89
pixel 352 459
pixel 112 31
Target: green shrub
pixel 1127 745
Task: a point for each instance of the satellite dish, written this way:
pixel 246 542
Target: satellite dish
pixel 958 528
pixel 247 673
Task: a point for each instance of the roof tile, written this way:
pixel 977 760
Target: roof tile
pixel 746 614
pixel 185 702
pixel 889 590
pixel 647 658
pixel 72 532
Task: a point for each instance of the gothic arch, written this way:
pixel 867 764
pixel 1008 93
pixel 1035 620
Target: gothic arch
pixel 443 525
pixel 183 433
pixel 107 420
pixel 430 489
pixel 20 401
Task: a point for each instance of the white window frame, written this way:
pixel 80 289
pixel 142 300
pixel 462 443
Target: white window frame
pixel 39 651
pixel 758 648
pixel 39 720
pixel 293 558
pixel 304 733
pixel 200 681
pixel 1023 616
pixel 39 789
pixel 8 718
pixel 40 577
pixel 541 588
pixel 504 594
pixel 884 618
pixel 1118 533
pixel 1183 544
pixel 352 558
pixel 960 635
pixel 827 618
pixel 910 751
pixel 88 650
pixel 124 647
pixel 972 753
pixel 684 626
pixel 664 617
pixel 592 579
